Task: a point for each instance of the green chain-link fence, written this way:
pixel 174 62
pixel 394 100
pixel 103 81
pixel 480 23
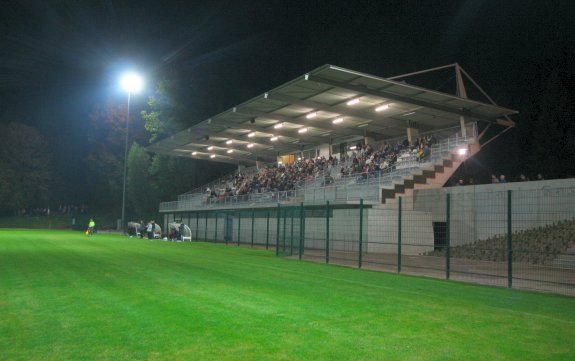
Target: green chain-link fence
pixel 521 239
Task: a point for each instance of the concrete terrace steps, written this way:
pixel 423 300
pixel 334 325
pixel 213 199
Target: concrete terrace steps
pixel 431 176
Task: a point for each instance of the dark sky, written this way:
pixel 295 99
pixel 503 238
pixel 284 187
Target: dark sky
pixel 59 58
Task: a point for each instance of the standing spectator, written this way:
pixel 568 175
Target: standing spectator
pixel 91 227
pixel 502 179
pixel 494 179
pixel 150 229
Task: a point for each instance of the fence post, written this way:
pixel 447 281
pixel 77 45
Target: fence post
pixel 197 226
pixel 399 237
pixel 206 228
pixel 360 232
pixel 448 237
pixel 284 232
pixel 509 243
pixel 253 217
pixel 278 232
pixel 326 231
pixel 226 225
pixel 239 225
pixel 216 229
pixel 301 229
pixel 268 230
pixel 291 232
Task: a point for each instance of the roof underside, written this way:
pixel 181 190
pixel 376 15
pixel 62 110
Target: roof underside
pixel 335 105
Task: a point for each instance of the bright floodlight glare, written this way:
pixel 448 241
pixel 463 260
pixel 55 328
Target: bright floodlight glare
pixel 462 151
pixel 194 153
pixel 132 82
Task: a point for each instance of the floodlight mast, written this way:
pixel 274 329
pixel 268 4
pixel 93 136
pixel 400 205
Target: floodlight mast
pixel 131 83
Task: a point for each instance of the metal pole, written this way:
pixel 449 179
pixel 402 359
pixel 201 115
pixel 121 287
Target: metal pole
pixel 253 216
pixel 123 226
pixel 509 243
pixel 360 232
pixel 278 231
pixel 448 237
pixel 326 231
pixel 197 226
pixel 399 237
pixel 206 229
pixel 301 229
pixel 239 225
pixel 216 229
pixel 268 230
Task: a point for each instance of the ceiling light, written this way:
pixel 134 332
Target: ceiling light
pixel 210 147
pixel 278 125
pixel 311 115
pixel 337 120
pixel 462 151
pixel 250 145
pixel 353 101
pixel 273 139
pixel 352 147
pixel 229 141
pixel 230 151
pixel 302 130
pixel 212 156
pixel 410 113
pixel 382 107
pixel 252 134
pixel 194 153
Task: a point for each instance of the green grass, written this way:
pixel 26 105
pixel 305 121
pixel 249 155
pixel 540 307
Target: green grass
pixel 64 296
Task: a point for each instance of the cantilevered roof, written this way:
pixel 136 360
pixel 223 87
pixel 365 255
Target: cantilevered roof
pixel 328 105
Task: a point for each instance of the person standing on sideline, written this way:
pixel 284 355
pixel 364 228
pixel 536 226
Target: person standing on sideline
pixel 91 226
pixel 150 229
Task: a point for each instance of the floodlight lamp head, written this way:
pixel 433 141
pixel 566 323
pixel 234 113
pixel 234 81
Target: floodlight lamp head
pixel 132 82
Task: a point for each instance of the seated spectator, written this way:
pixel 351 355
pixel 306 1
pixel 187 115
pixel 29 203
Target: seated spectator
pixel 494 179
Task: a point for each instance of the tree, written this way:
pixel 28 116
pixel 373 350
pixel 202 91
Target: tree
pixel 167 110
pixel 142 192
pixel 26 179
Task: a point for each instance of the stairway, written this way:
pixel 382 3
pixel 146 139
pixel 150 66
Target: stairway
pixel 435 175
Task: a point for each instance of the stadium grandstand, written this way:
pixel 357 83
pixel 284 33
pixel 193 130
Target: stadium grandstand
pixel 342 167
pixel 339 135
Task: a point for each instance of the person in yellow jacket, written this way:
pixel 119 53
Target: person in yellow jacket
pixel 91 226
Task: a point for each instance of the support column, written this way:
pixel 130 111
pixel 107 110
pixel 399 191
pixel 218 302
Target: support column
pixel 461 92
pixel 412 134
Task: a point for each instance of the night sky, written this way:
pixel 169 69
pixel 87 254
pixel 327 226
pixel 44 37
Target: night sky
pixel 59 58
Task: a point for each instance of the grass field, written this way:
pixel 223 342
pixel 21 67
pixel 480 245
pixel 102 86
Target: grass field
pixel 64 296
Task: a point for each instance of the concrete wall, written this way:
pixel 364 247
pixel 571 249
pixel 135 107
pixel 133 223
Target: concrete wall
pixel 477 212
pixel 480 212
